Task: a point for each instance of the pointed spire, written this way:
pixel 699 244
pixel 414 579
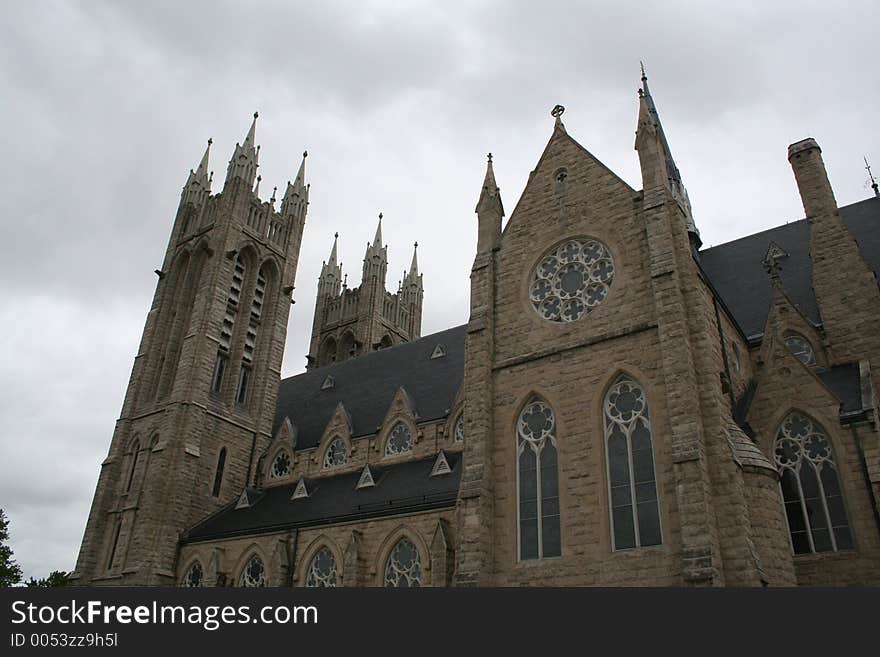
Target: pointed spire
pixel 257 187
pixel 332 259
pixel 198 184
pixel 490 196
pixel 203 165
pixel 377 240
pixel 414 266
pixel 296 196
pixel 249 139
pixel 648 113
pixel 245 158
pixel 489 211
pixel 874 184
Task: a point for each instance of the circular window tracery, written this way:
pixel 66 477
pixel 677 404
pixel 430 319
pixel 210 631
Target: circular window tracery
pixel 571 280
pixel 336 454
pixel 281 466
pixel 399 440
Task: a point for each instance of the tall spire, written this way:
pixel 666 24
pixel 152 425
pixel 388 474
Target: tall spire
pixel 679 192
pixel 198 184
pixel 332 259
pixel 296 196
pixel 377 240
pixel 489 211
pixel 414 265
pixel 245 158
pixel 874 184
pixel 376 257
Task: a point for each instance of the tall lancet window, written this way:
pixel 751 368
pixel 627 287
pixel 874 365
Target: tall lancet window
pixel 810 487
pixel 635 515
pixel 537 481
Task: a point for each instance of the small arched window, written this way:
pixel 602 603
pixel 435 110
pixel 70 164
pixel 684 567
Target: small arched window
pixel 280 466
pixel 254 574
pixel 537 481
pixel 810 487
pixel 403 569
pixel 193 577
pixel 800 348
pixel 400 440
pixel 135 455
pixel 218 474
pixel 635 515
pixel 458 431
pixel 336 454
pixel 322 569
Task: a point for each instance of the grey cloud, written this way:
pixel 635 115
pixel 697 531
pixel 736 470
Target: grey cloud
pixel 108 106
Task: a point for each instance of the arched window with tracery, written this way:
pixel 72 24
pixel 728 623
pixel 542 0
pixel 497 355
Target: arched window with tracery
pixel 810 486
pixel 194 576
pixel 403 568
pixel 632 483
pixel 537 481
pixel 336 454
pixel 254 573
pixel 280 465
pixel 400 440
pixel 322 570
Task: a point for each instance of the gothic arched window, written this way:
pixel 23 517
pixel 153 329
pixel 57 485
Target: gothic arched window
pixel 571 280
pixel 280 466
pixel 537 481
pixel 322 569
pixel 635 514
pixel 336 454
pixel 403 569
pixel 193 577
pixel 800 348
pixel 254 574
pixel 399 440
pixel 810 487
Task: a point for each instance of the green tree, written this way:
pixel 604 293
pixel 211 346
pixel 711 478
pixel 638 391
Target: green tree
pixel 10 571
pixel 55 578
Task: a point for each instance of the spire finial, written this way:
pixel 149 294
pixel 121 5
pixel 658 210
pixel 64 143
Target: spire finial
pixel 874 184
pixel 257 187
pixel 642 65
pixel 274 189
pixel 489 156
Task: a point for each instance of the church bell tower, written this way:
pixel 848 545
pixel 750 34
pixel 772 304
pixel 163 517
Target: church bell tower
pixel 202 393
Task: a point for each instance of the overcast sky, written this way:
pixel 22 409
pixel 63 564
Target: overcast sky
pixel 108 105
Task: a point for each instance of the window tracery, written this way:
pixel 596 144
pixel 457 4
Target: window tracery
pixel 254 574
pixel 572 280
pixel 810 486
pixel 400 440
pixel 322 569
pixel 336 454
pixel 537 481
pixel 635 514
pixel 403 568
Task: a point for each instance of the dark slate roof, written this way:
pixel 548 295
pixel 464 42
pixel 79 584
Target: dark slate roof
pixel 367 384
pixel 736 268
pixel 845 382
pixel 405 487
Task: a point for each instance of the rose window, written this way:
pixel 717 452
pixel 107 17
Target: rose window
pixel 571 280
pixel 281 465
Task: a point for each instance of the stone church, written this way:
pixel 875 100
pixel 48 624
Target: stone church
pixel 622 407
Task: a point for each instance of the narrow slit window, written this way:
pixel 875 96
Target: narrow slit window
pixel 218 474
